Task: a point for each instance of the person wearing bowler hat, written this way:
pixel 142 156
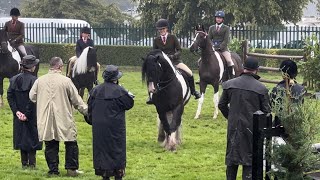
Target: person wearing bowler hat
pixel 288 87
pixel 107 104
pixel 241 97
pixel 15 29
pixel 25 133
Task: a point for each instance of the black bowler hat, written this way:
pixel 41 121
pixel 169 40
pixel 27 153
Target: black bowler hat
pixel 251 63
pixel 29 61
pixel 290 67
pixel 111 73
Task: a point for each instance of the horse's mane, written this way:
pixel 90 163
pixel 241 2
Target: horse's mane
pixel 80 66
pixel 151 54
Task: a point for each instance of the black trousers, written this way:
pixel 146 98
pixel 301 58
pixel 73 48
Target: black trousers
pixel 233 170
pixel 28 158
pixel 71 156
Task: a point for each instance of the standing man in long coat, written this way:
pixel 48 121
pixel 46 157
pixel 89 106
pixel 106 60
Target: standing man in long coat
pixel 25 133
pixel 56 95
pixel 106 113
pixel 241 97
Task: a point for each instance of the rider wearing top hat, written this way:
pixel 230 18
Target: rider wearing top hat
pixel 170 45
pixel 15 29
pixel 219 34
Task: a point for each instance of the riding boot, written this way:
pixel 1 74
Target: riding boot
pixel 231 72
pixel 195 93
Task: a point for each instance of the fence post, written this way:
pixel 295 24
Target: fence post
pixel 259 122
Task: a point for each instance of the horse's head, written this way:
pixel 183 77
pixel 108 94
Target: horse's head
pixel 3 42
pixel 92 57
pixel 199 42
pixel 151 69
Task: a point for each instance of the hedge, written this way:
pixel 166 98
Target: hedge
pixel 131 55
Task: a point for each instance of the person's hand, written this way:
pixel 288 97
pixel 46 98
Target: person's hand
pixel 21 116
pixel 12 42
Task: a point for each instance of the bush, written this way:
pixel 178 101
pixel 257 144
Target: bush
pixel 131 55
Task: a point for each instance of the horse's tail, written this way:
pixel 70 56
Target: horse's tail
pixel 80 66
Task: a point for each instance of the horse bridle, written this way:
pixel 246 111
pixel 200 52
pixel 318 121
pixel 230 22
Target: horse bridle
pixel 199 48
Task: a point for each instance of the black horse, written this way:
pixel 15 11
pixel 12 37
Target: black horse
pixel 170 93
pixel 10 59
pixel 211 67
pixel 84 71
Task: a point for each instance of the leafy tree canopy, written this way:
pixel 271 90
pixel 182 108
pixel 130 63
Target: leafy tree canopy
pixel 184 14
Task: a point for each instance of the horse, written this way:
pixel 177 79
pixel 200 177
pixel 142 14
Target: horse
pixel 211 68
pixel 170 93
pixel 10 60
pixel 85 70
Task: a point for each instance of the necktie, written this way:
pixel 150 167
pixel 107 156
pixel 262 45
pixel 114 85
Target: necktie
pixel 164 39
pixel 218 28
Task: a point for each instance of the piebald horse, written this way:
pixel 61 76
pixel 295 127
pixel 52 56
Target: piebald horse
pixel 212 68
pixel 170 93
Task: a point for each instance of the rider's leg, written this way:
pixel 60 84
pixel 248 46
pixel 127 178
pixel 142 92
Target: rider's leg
pixel 190 79
pixel 72 60
pixel 230 64
pixel 22 49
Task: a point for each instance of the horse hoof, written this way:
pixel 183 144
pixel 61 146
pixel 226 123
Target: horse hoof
pixel 196 117
pixel 214 116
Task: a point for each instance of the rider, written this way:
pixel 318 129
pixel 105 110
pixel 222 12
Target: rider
pixel 82 43
pixel 219 34
pixel 170 45
pixel 15 29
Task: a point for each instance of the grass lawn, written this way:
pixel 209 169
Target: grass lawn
pixel 201 156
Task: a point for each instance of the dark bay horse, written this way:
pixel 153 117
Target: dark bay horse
pixel 84 71
pixel 211 68
pixel 170 94
pixel 10 59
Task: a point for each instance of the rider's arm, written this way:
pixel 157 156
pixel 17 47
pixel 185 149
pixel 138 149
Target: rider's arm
pixel 21 36
pixel 78 49
pixel 210 33
pixel 224 44
pixel 178 48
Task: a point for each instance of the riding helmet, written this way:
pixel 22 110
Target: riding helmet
pixel 289 67
pixel 86 30
pixel 220 14
pixel 162 23
pixel 14 12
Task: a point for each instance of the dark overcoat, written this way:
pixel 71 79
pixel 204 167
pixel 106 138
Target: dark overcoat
pixel 172 47
pixel 25 133
pixel 241 97
pixel 106 112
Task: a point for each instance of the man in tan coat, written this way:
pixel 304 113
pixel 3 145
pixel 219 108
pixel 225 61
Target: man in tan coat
pixel 55 96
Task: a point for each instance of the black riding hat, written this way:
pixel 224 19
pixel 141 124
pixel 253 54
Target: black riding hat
pixel 162 23
pixel 14 12
pixel 86 30
pixel 290 67
pixel 29 61
pixel 251 63
pixel 111 73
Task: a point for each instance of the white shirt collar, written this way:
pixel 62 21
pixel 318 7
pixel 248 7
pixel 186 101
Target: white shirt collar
pixel 166 35
pixel 219 25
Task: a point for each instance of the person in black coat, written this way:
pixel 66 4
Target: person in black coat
pixel 25 133
pixel 241 98
pixel 107 104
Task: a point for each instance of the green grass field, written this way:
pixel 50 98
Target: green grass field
pixel 201 156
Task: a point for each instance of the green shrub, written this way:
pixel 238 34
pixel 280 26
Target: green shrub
pixel 131 55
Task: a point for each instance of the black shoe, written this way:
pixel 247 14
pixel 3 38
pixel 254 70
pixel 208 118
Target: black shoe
pixel 149 101
pixel 196 94
pixel 53 173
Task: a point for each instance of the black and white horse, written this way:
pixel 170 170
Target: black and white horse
pixel 10 59
pixel 170 93
pixel 211 68
pixel 85 70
